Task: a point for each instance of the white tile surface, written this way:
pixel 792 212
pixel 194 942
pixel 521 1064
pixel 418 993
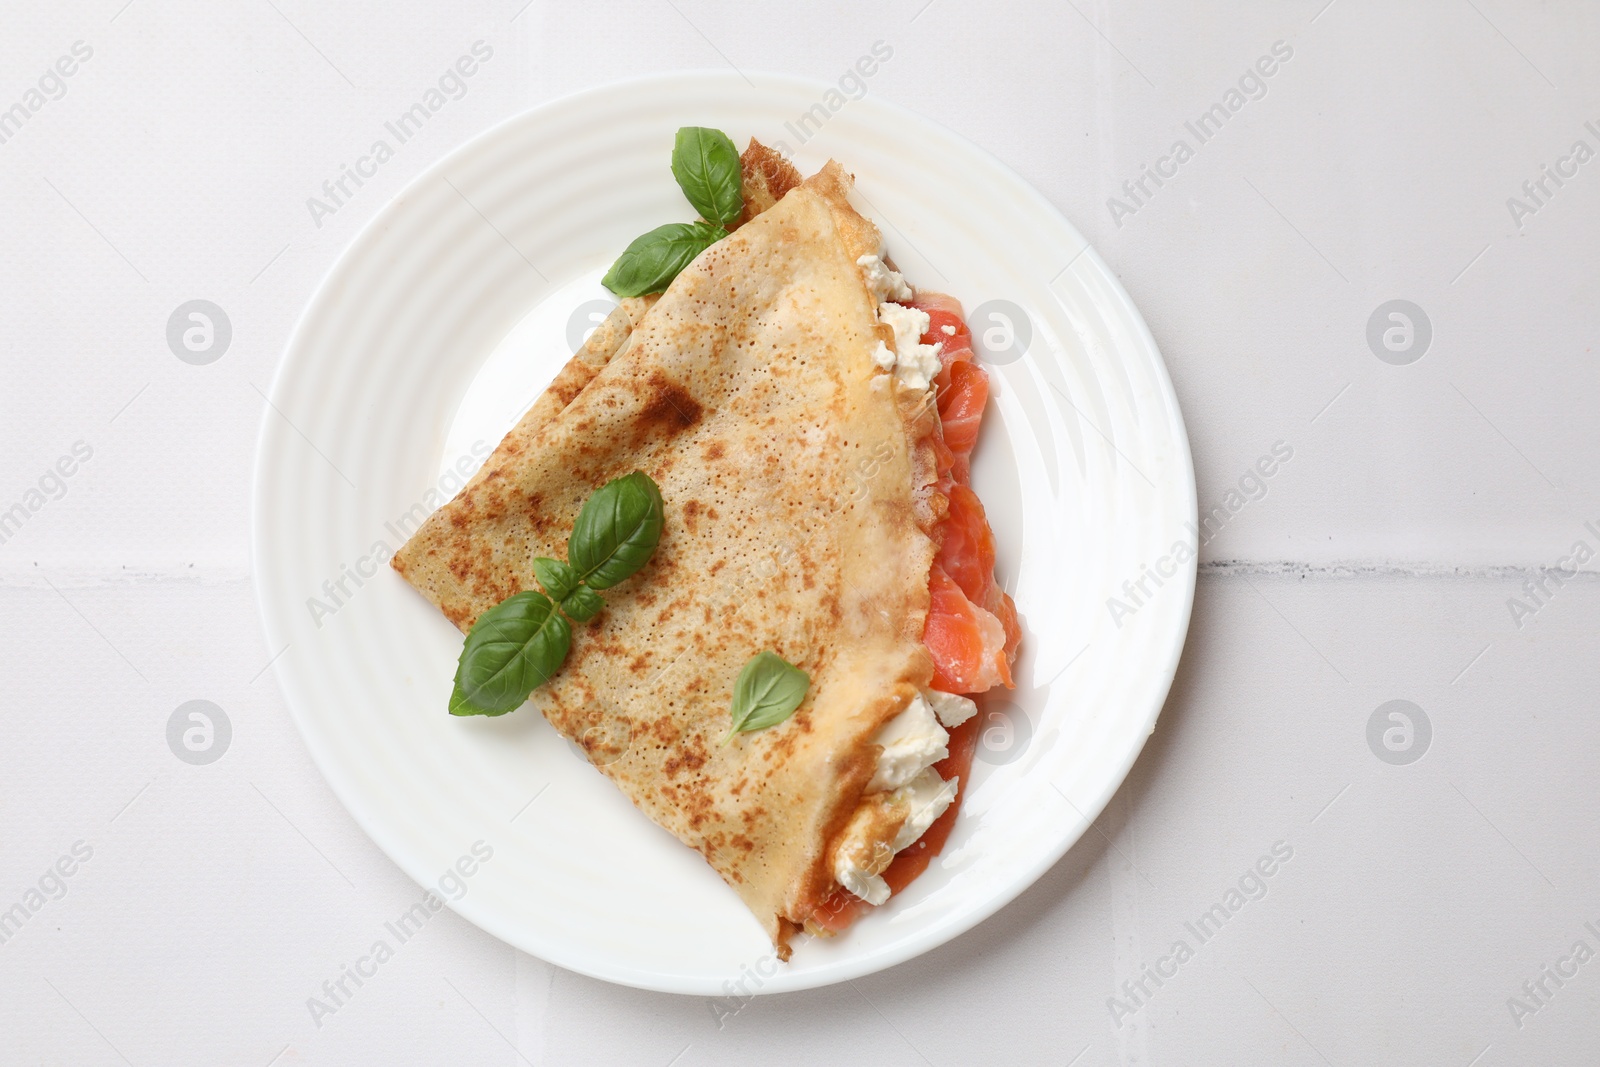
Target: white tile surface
pixel 1377 566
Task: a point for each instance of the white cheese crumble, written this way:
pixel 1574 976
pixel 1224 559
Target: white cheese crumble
pixel 929 796
pixel 908 324
pixel 952 710
pixel 869 887
pixel 915 364
pixel 926 797
pixel 883 357
pixel 913 741
pixel 885 282
pixel 948 331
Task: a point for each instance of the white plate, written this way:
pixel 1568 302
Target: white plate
pixel 455 306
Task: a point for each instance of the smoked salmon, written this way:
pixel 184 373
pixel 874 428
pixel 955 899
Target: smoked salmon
pixel 972 629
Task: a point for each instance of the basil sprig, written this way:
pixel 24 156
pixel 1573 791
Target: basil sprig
pixel 582 604
pixel 558 578
pixel 616 531
pixel 649 264
pixel 706 166
pixel 513 648
pixel 519 644
pixel 766 693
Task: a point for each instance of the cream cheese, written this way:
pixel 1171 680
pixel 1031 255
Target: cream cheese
pixel 884 281
pixel 869 887
pixel 912 742
pixel 859 864
pixel 883 356
pixel 952 710
pixel 929 796
pixel 915 364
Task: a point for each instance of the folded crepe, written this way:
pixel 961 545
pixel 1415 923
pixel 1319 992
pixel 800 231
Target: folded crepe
pixel 801 485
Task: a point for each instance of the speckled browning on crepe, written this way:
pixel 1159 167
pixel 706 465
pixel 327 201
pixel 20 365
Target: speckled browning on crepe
pixel 798 500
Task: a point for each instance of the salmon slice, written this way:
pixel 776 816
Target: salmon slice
pixel 944 311
pixel 967 552
pixel 961 404
pixel 944 461
pixel 967 555
pixel 953 348
pixel 967 643
pixel 961 386
pixel 1001 606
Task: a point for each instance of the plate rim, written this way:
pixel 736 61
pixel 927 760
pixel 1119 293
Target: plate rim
pixel 931 937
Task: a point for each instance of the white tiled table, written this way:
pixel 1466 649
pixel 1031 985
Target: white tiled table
pixel 1375 164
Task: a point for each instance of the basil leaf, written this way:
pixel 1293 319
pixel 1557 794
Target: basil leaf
pixel 460 705
pixel 649 264
pixel 583 604
pixel 513 648
pixel 617 530
pixel 766 693
pixel 707 168
pixel 558 579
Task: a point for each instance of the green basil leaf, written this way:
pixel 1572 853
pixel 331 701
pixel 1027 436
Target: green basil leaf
pixel 707 168
pixel 460 705
pixel 558 579
pixel 512 649
pixel 617 530
pixel 583 604
pixel 649 264
pixel 766 693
